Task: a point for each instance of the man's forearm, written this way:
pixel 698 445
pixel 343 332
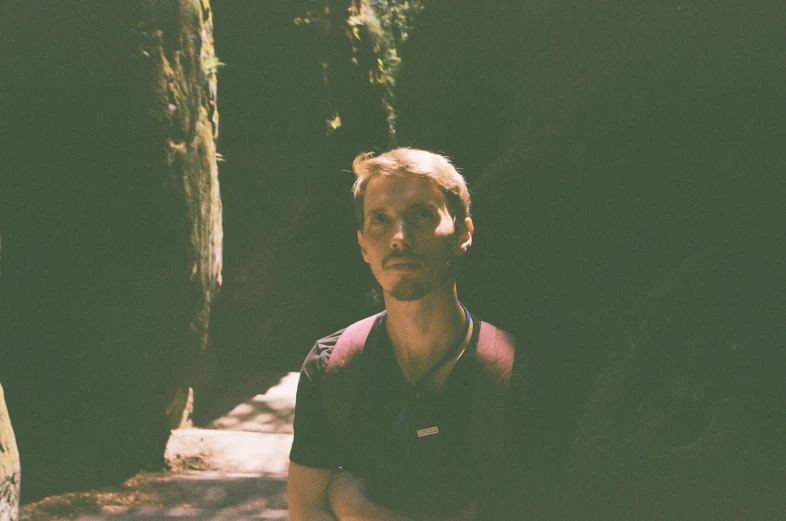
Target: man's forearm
pixel 366 510
pixel 313 515
pixel 307 493
pixel 369 511
pixel 350 503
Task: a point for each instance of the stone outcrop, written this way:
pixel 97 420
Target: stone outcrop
pixel 178 66
pixel 10 471
pixel 318 96
pixel 625 186
pixel 112 232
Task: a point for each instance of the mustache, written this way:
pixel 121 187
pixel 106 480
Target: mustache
pixel 397 255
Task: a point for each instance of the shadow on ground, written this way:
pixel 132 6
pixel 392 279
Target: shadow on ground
pixel 233 465
pixel 151 496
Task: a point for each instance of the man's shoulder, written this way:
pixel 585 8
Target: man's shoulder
pixel 502 328
pixel 316 363
pixel 494 353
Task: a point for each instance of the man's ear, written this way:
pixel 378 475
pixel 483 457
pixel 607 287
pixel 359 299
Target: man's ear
pixel 362 248
pixel 466 230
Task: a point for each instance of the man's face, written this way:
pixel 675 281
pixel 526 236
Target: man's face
pixel 409 238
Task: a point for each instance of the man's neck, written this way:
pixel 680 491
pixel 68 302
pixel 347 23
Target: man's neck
pixel 422 331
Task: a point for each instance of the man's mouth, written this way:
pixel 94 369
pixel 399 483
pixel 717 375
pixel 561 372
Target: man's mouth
pixel 400 263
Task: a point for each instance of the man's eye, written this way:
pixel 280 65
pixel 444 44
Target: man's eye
pixel 378 218
pixel 424 213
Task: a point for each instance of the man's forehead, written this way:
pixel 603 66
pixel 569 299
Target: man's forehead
pixel 403 188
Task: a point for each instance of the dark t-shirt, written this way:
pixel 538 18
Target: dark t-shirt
pixel 418 450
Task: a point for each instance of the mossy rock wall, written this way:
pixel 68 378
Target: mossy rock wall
pixel 10 470
pixel 626 184
pixel 292 67
pixel 178 67
pixel 112 233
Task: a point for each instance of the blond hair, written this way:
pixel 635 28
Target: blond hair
pixel 437 168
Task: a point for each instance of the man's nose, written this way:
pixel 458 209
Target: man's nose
pixel 401 239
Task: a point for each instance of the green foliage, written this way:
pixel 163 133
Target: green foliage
pixel 332 124
pixel 397 16
pixel 377 25
pixel 312 16
pixel 390 23
pixel 211 64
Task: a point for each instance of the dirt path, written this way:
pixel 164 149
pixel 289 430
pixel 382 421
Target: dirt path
pixel 232 468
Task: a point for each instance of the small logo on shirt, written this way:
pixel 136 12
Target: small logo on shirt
pixel 428 432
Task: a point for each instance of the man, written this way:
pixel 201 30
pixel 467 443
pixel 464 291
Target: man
pixel 419 436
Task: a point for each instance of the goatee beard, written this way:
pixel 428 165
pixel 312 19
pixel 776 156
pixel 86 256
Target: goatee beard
pixel 411 290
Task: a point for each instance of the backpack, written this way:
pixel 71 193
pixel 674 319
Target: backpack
pixel 495 354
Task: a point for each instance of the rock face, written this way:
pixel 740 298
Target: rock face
pixel 177 66
pixel 10 471
pixel 112 232
pixel 317 97
pixel 625 186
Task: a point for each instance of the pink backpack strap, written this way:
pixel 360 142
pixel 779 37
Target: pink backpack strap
pixel 342 376
pixel 495 355
pixel 496 352
pixel 350 343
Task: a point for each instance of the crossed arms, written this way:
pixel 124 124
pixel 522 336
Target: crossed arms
pixel 327 495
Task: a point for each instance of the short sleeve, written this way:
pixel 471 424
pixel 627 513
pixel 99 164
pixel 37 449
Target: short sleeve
pixel 315 442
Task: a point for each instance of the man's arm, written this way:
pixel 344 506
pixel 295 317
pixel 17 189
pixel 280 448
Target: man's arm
pixel 307 493
pixel 349 502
